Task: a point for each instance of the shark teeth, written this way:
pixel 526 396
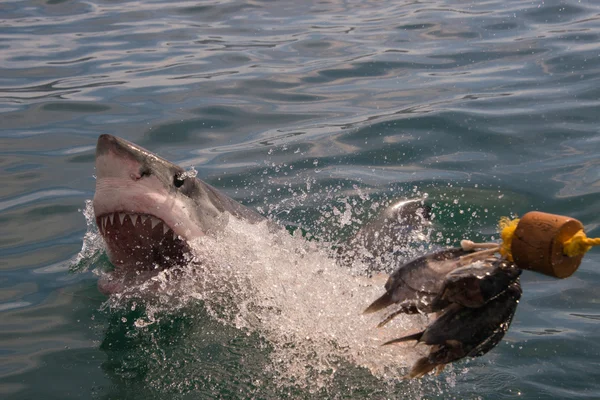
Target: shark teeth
pixel 117 219
pixel 154 222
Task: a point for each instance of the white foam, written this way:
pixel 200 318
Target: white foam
pixel 290 291
pixel 297 297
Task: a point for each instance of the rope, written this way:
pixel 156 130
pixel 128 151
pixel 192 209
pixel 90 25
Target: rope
pixel 579 244
pixel 507 229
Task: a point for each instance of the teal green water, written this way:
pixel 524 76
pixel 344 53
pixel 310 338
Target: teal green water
pixel 490 108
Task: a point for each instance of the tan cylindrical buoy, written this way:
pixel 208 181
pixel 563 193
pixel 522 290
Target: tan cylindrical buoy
pixel 537 244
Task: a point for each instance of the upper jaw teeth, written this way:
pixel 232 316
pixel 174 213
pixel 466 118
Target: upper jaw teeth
pixel 154 221
pixel 119 218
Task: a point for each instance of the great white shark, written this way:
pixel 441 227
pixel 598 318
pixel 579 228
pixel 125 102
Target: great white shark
pixel 148 210
pixel 153 216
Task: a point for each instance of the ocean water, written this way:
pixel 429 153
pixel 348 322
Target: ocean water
pixel 310 112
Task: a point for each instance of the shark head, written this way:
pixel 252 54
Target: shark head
pixel 148 209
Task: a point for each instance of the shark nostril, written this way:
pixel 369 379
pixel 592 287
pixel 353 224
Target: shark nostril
pixel 145 171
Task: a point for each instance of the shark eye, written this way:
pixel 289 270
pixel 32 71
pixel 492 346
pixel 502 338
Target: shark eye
pixel 178 181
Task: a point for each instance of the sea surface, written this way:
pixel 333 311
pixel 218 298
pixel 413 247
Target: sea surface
pixel 302 110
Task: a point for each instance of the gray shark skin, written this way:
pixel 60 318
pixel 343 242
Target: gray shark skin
pixel 147 210
pixel 384 240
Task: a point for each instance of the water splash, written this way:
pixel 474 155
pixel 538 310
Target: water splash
pixel 189 173
pixel 92 250
pixel 291 292
pixel 307 306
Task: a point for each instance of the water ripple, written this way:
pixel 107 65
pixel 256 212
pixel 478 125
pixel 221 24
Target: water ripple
pixel 38 196
pixel 492 104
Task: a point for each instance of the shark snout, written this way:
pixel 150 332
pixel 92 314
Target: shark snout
pixel 107 143
pixel 114 155
pixel 118 158
pixel 119 147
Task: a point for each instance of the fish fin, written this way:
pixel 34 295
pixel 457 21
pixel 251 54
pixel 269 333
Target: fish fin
pixel 410 309
pixel 422 367
pixel 414 336
pixel 379 304
pixel 439 369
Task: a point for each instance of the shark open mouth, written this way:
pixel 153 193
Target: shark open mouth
pixel 141 241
